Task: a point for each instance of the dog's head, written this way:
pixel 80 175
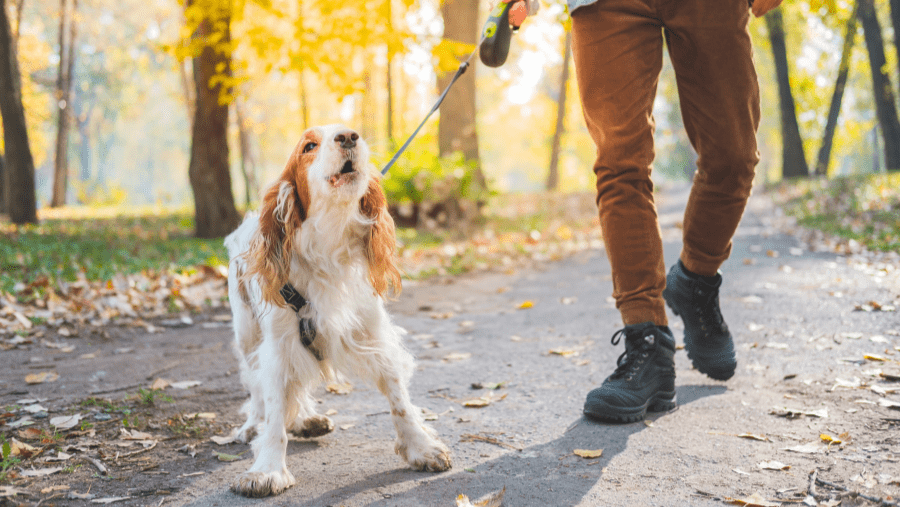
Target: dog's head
pixel 328 171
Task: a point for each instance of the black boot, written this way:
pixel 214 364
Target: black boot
pixel 706 336
pixel 644 379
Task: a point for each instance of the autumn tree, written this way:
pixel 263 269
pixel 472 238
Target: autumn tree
pixel 67 31
pixel 882 91
pixel 19 185
pixel 840 83
pixel 215 214
pixel 553 171
pixel 793 159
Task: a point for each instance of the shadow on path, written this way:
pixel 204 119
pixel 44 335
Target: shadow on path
pixel 544 474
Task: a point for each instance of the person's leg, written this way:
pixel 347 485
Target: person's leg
pixel 710 48
pixel 617 46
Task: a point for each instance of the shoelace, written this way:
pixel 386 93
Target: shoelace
pixel 708 310
pixel 633 357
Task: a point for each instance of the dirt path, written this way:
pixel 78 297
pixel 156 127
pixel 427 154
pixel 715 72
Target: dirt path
pixel 796 329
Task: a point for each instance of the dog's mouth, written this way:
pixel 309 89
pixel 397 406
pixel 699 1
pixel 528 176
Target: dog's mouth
pixel 346 174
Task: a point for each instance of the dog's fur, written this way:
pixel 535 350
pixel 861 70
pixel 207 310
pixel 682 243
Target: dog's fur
pixel 324 227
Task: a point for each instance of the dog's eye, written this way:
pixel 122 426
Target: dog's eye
pixel 308 147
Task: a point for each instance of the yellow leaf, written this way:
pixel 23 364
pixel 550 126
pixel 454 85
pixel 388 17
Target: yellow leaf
pixel 563 352
pixel 829 439
pixel 40 378
pixel 751 436
pixel 584 453
pixel 526 305
pixel 449 53
pixel 873 357
pixel 339 388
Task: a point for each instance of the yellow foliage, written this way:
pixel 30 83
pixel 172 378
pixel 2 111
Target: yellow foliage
pixel 449 53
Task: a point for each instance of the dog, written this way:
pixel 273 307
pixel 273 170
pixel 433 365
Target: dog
pixel 323 232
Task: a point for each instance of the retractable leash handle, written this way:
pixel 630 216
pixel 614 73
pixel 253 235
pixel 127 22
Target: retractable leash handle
pixel 496 36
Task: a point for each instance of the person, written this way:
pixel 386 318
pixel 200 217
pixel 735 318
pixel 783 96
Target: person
pixel 617 48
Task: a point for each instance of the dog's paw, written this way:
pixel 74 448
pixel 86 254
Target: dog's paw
pixel 260 484
pixel 431 457
pixel 312 427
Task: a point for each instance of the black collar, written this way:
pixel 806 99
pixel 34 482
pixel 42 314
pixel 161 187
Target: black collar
pixel 307 327
pixel 292 297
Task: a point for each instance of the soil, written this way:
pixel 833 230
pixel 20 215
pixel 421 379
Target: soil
pixel 817 347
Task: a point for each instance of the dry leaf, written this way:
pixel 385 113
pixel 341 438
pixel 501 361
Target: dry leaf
pixel 51 489
pixel 563 352
pixel 807 448
pixel 21 449
pixel 9 491
pixel 754 500
pixel 791 413
pixel 111 499
pixel 66 422
pixel 159 384
pixel 40 378
pixel 773 465
pixel 457 356
pixel 224 440
pixel 830 439
pixel 525 305
pixel 135 435
pixel 43 472
pixel 227 457
pixel 186 384
pixel 494 499
pixel 339 387
pixel 584 453
pixel 889 404
pixel 873 357
pixel 752 436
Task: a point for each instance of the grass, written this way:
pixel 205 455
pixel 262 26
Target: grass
pixel 63 247
pixel 7 460
pixel 864 208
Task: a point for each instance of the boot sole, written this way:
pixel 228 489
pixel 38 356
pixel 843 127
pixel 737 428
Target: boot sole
pixel 717 371
pixel 662 402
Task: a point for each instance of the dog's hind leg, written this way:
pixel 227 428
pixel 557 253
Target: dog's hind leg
pixel 309 424
pixel 247 338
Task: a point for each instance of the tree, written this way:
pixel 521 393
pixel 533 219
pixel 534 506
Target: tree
pixel 553 172
pixel 19 171
pixel 457 128
pixel 895 21
pixel 793 159
pixel 883 93
pixel 836 98
pixel 215 214
pixel 64 100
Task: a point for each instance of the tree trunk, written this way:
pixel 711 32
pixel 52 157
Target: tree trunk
pixel 457 128
pixel 64 101
pixel 840 83
pixel 187 88
pixel 248 165
pixel 20 4
pixel 214 212
pixel 793 160
pixel 2 185
pixel 553 172
pixel 882 91
pixel 895 21
pixel 19 168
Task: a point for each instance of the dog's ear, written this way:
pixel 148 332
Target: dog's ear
pixel 381 243
pixel 271 249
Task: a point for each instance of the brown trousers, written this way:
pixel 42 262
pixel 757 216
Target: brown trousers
pixel 618 57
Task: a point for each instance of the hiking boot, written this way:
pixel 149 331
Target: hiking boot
pixel 644 379
pixel 706 336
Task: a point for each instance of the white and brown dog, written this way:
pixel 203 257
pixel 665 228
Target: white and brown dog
pixel 325 231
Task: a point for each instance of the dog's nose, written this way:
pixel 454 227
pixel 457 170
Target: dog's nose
pixel 346 138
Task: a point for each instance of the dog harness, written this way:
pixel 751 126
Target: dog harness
pixel 307 327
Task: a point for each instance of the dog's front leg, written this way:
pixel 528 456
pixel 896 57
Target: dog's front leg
pixel 269 474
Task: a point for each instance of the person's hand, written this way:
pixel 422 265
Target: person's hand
pixel 760 7
pixel 519 10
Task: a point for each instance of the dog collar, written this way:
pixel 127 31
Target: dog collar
pixel 307 328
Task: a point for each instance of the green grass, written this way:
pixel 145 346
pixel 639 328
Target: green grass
pixel 60 248
pixel 865 208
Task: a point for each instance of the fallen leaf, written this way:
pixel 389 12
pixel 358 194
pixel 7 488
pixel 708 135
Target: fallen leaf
pixel 339 387
pixel 66 422
pixel 854 383
pixel 807 448
pixel 135 435
pixel 584 453
pixel 224 440
pixel 526 305
pixel 159 384
pixel 186 384
pixel 331 412
pixel 201 415
pixel 457 356
pixel 795 413
pixel 563 352
pixel 227 457
pixel 773 465
pixel 494 499
pixel 754 500
pixel 21 449
pixel 752 436
pixel 884 391
pixel 9 491
pixel 43 472
pixel 776 345
pixel 112 499
pixel 347 426
pixel 51 489
pixel 889 404
pixel 873 357
pixel 830 439
pixel 40 378
pixel 468 437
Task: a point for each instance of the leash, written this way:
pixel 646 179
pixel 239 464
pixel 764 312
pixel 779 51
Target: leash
pixel 494 47
pixel 307 327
